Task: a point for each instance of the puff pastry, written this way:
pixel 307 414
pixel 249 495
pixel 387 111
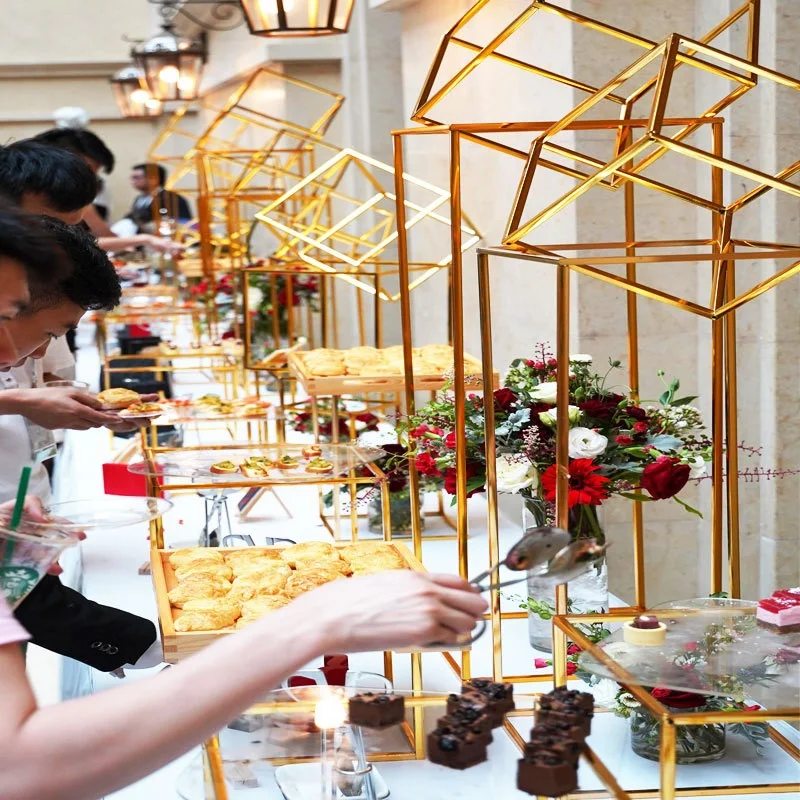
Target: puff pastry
pixel 224 606
pixel 198 588
pixel 257 566
pixel 188 554
pixel 257 584
pixel 306 550
pixel 258 606
pixel 208 568
pixel 312 564
pixel 303 581
pixel 202 621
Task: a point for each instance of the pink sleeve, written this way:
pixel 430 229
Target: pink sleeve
pixel 10 630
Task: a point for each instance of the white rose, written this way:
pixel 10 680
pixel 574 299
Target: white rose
pixel 586 443
pixel 254 296
pixel 605 693
pixel 514 473
pixel 580 358
pixel 699 467
pixel 550 416
pixel 546 392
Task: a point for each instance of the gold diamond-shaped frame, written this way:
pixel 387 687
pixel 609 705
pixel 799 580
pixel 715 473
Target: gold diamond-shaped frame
pixel 654 138
pixel 429 99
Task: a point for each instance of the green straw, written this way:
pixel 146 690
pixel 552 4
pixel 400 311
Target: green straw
pixel 22 490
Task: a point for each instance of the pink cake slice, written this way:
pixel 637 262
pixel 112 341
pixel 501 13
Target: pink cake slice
pixel 781 611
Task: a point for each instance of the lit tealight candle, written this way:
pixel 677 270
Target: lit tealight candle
pixel 329 713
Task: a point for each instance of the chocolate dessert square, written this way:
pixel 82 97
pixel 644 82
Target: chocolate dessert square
pixel 456 749
pixel 471 699
pixel 562 697
pixel 370 710
pixel 546 737
pixel 499 697
pixel 546 774
pixel 468 719
pixel 579 724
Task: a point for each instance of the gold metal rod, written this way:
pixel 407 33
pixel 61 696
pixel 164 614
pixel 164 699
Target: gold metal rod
pixel 667 756
pixel 216 768
pixel 639 575
pixel 493 523
pixel 759 289
pixel 406 326
pixel 459 389
pixel 663 83
pixel 717 459
pixel 603 773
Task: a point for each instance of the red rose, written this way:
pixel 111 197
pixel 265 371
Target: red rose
pixel 623 440
pixel 551 362
pixel 641 427
pixel 636 412
pixel 690 647
pixel 504 399
pixel 573 649
pixel 571 668
pixel 426 465
pixel 665 477
pixel 450 440
pixel 367 417
pixel 450 479
pixel 420 430
pixel 675 699
pixel 540 663
pixel 539 365
pixel 601 407
pixel 585 486
pixel 529 363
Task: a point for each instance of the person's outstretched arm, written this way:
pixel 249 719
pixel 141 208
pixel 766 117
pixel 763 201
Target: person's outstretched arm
pixel 89 747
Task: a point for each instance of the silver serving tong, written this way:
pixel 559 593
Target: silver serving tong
pixel 536 547
pixel 549 548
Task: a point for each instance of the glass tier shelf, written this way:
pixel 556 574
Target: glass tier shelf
pixel 194 464
pixel 712 647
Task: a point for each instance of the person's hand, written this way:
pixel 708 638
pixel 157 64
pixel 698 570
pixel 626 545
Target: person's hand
pixel 164 245
pixel 401 608
pixel 56 408
pixel 34 510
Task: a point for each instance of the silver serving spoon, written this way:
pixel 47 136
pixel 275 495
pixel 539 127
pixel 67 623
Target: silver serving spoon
pixel 574 560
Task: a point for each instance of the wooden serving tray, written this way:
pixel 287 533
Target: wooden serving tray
pixel 363 384
pixel 179 645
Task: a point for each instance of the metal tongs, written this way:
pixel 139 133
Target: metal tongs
pixel 551 550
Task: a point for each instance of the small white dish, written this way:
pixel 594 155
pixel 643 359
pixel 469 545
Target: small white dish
pixel 302 782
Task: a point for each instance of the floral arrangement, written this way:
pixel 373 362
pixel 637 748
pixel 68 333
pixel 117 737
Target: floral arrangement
pixel 208 290
pixel 264 304
pixel 616 444
pixel 302 421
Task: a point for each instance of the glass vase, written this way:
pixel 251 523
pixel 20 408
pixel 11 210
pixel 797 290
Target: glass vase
pixel 399 511
pixel 588 593
pixel 694 744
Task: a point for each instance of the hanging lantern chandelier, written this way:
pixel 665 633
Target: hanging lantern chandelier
pixel 172 65
pixel 278 18
pixel 133 99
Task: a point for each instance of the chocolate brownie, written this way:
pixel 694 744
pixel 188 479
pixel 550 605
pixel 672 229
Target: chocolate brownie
pixel 546 773
pixel 580 721
pixel 457 749
pixel 469 719
pixel 499 697
pixel 562 696
pixel 546 737
pixel 370 710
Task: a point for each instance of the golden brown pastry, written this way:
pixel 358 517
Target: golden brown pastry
pixel 201 621
pixel 312 564
pixel 198 588
pixel 188 554
pixel 117 398
pixel 327 369
pixel 260 566
pixel 258 583
pixel 258 606
pixel 303 581
pixel 249 553
pixel 361 548
pixel 306 550
pixel 226 606
pixel 210 568
pixel 388 559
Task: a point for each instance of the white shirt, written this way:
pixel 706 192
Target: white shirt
pixel 58 359
pixel 15 444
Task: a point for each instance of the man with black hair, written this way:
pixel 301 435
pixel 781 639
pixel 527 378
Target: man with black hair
pixel 91 148
pixel 154 200
pixel 58 618
pixel 45 180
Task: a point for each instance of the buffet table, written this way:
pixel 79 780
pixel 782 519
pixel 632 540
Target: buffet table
pixel 106 568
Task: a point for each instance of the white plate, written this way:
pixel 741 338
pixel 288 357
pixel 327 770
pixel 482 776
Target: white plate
pixel 303 781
